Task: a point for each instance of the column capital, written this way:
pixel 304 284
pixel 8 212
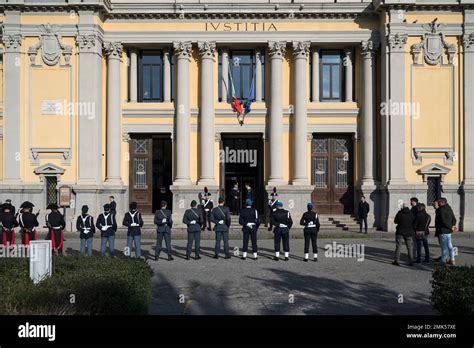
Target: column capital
pixel 206 49
pixel 301 49
pixel 182 49
pixel 396 42
pixel 113 50
pixel 12 42
pixel 277 49
pixel 468 42
pixel 368 48
pixel 88 43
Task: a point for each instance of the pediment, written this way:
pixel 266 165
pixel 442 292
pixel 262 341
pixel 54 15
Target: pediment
pixel 50 169
pixel 434 169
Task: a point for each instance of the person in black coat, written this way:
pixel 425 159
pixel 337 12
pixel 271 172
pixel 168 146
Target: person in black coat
pixel 134 222
pixel 206 206
pixel 220 217
pixel 250 222
pixel 85 226
pixel 310 221
pixel 8 223
pixel 271 207
pixel 164 222
pixel 107 224
pixel 282 221
pixel 422 230
pixel 362 213
pixel 28 223
pixel 113 205
pixel 194 220
pixel 404 232
pixel 56 224
pixel 235 199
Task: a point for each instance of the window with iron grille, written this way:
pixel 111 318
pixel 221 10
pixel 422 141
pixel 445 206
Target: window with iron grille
pixel 434 189
pixel 51 192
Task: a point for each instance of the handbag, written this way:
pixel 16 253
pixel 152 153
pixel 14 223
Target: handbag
pixel 420 234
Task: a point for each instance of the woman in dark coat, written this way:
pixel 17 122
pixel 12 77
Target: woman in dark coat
pixel 422 230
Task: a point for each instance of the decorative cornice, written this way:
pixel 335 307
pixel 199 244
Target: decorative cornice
pixel 88 42
pixel 113 50
pixel 12 42
pixel 397 42
pixel 207 49
pixel 276 49
pixel 182 49
pixel 301 49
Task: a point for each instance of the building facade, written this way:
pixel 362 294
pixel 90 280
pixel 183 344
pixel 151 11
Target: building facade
pixel 133 99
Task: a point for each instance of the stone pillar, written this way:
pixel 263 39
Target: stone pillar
pixel 12 41
pixel 206 53
pixel 315 75
pixel 300 53
pixel 258 76
pixel 348 74
pixel 225 75
pixel 89 47
pixel 133 76
pixel 182 50
pixel 113 51
pixel 277 51
pixel 166 76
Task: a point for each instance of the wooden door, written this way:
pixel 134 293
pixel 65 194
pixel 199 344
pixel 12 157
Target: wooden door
pixel 141 172
pixel 332 174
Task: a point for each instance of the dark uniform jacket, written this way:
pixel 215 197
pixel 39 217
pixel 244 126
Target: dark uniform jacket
pixel 55 220
pixel 106 224
pixel 422 222
pixel 364 209
pixel 235 193
pixel 445 219
pixel 220 215
pixel 163 220
pixel 248 219
pixel 134 222
pixel 404 221
pixel 85 225
pixel 310 221
pixel 193 219
pixel 113 207
pixel 28 221
pixel 9 221
pixel 282 221
pixel 207 206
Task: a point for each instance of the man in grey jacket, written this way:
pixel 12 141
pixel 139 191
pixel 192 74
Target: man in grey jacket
pixel 220 216
pixel 164 222
pixel 194 220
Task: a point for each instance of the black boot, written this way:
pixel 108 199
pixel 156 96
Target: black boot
pixel 157 257
pixel 216 256
pixel 287 259
pixel 227 256
pixel 170 258
pixel 187 257
pixel 198 257
pixel 276 258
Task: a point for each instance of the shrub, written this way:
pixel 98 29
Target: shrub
pixel 453 290
pixel 78 285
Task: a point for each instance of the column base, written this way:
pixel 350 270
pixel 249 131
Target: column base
pixel 113 181
pixel 182 182
pixel 207 182
pixel 277 182
pixel 300 182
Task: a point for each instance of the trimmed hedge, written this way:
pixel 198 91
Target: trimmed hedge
pixel 78 285
pixel 453 290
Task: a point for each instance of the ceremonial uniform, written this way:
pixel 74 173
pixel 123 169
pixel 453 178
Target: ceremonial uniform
pixel 86 228
pixel 282 221
pixel 8 228
pixel 234 200
pixel 56 224
pixel 164 222
pixel 193 219
pixel 28 223
pixel 310 221
pixel 220 216
pixel 133 220
pixel 107 225
pixel 250 222
pixel 271 207
pixel 207 206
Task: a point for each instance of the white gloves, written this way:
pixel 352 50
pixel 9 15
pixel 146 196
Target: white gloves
pixel 193 222
pixel 221 222
pixel 163 220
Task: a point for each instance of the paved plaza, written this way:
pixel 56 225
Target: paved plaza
pixel 333 285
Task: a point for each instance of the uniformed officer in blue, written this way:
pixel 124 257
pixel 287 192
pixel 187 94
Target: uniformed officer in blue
pixel 164 222
pixel 282 221
pixel 194 220
pixel 85 225
pixel 133 220
pixel 310 221
pixel 250 222
pixel 207 205
pixel 107 225
pixel 220 216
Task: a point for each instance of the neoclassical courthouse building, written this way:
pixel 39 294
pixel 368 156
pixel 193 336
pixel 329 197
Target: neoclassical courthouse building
pixel 134 99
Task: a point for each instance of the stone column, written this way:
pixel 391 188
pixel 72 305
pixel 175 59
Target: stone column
pixel 206 53
pixel 89 47
pixel 300 53
pixel 113 50
pixel 12 41
pixel 315 75
pixel 182 50
pixel 133 76
pixel 225 75
pixel 258 76
pixel 367 113
pixel 277 51
pixel 166 76
pixel 348 74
